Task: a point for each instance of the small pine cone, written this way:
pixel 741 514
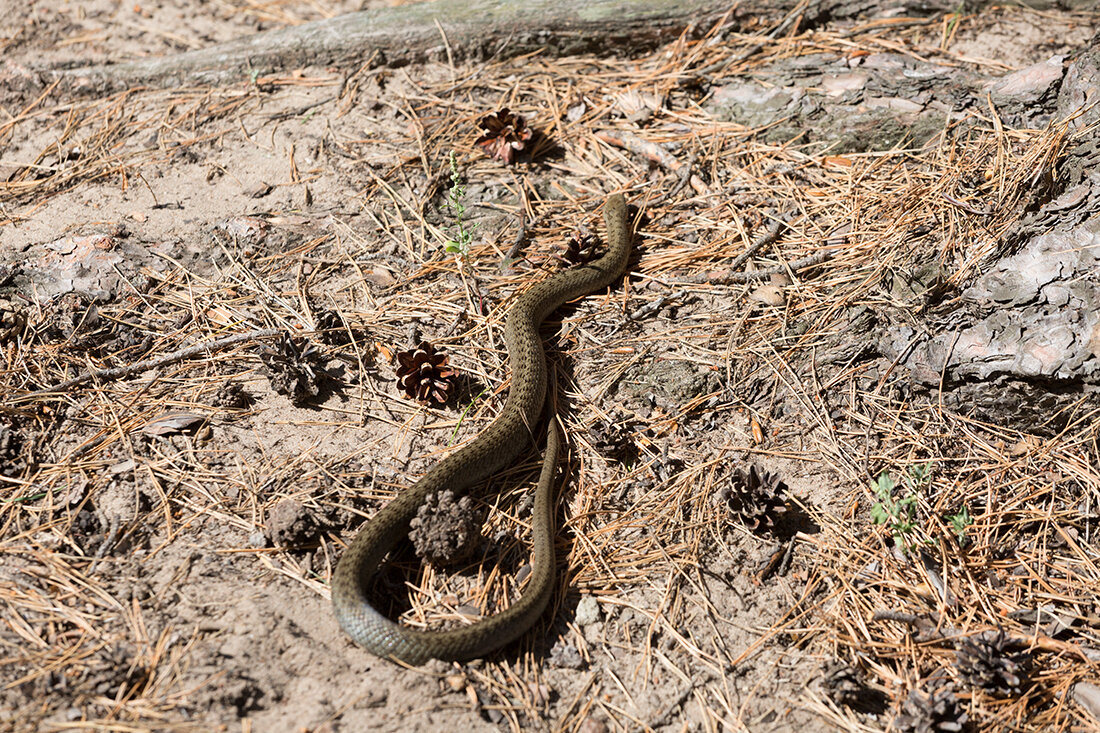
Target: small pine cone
pixel 846 687
pixel 68 316
pixel 333 329
pixel 14 453
pixel 503 135
pixel 424 375
pixel 13 320
pixel 580 248
pixel 126 338
pixel 612 438
pixel 445 530
pixel 295 368
pixel 992 661
pixel 757 497
pixel 931 711
pixel 231 395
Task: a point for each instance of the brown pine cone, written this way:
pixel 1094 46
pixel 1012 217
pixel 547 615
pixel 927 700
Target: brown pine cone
pixel 424 375
pixel 756 497
pixel 993 662
pixel 295 368
pixel 504 134
pixel 580 248
pixel 931 710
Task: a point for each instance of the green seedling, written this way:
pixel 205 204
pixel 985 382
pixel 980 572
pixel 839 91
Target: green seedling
pixel 463 415
pixel 30 497
pixel 899 514
pixel 955 18
pixel 960 523
pixel 463 232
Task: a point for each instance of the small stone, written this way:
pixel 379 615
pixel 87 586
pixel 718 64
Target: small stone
pixel 588 611
pixel 566 656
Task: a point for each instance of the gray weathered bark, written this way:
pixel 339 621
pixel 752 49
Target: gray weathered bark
pixel 411 33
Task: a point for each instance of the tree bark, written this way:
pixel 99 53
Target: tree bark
pixel 414 33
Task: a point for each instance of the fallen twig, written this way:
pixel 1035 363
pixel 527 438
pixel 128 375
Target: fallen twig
pixel 744 277
pixel 685 175
pixel 107 375
pixel 651 151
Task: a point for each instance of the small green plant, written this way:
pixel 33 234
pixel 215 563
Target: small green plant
pixel 463 415
pixel 960 522
pixel 463 233
pixel 899 514
pixel 955 18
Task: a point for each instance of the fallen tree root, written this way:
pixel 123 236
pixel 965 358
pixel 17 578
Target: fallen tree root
pixel 447 29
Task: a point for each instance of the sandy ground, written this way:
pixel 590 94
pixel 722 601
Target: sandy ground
pixel 163 581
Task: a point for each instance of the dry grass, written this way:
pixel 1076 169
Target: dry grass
pixel 1033 501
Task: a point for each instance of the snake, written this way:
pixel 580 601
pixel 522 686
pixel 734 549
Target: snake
pixel 495 448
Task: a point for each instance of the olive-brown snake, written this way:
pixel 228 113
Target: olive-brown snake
pixel 496 447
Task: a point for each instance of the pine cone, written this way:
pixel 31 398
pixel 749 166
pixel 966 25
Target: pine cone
pixel 333 329
pixel 846 687
pixel 504 134
pixel 231 395
pixel 931 711
pixel 13 321
pixel 612 438
pixel 445 530
pixel 73 317
pixel 14 452
pixel 992 662
pixel 294 368
pixel 580 248
pixel 757 497
pixel 424 375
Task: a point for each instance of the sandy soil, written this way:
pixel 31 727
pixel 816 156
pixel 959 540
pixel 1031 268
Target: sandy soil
pixel 165 581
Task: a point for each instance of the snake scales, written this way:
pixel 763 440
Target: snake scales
pixel 496 447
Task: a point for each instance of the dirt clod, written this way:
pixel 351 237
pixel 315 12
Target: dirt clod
pixel 290 525
pixel 446 530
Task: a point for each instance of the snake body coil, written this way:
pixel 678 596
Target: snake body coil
pixel 496 447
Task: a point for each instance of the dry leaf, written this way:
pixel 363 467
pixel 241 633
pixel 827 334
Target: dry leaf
pixel 757 431
pixel 1023 446
pixel 173 423
pixel 379 276
pixel 632 102
pixel 242 227
pixel 1087 696
pixel 769 295
pixel 780 279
